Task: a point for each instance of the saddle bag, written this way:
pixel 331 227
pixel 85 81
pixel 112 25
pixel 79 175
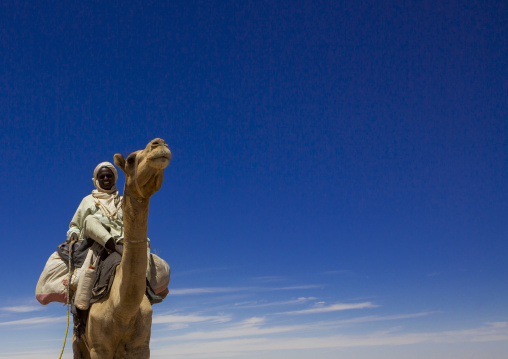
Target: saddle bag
pixel 86 283
pixel 159 275
pixel 53 281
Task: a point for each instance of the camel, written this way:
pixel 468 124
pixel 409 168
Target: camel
pixel 119 325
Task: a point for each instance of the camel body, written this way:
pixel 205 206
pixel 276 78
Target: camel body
pixel 119 325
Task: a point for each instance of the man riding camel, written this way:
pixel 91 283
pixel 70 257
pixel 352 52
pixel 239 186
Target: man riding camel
pixel 99 216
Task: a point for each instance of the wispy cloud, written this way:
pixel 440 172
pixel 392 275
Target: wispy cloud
pixel 260 327
pixel 206 290
pixel 332 308
pixel 32 321
pixel 190 318
pixel 49 354
pixel 218 290
pixel 235 347
pixel 247 328
pixel 270 279
pixel 435 274
pixel 336 272
pixel 201 271
pixel 378 318
pixel 309 286
pixel 21 309
pixel 253 304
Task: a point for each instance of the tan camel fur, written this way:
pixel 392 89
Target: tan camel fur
pixel 119 325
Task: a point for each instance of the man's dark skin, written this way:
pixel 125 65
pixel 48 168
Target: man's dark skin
pixel 106 180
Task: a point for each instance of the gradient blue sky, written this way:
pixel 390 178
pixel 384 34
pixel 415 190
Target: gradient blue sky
pixel 338 184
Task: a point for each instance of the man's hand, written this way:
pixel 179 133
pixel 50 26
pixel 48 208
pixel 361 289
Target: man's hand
pixel 110 245
pixel 74 237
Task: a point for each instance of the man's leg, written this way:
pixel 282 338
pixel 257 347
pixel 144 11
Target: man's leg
pixel 93 228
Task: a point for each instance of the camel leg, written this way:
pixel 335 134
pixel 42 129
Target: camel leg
pixel 138 353
pixel 100 353
pixel 79 348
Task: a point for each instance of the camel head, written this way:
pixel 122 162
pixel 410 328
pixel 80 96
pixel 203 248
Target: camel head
pixel 144 169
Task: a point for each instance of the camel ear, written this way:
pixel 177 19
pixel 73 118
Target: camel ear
pixel 119 161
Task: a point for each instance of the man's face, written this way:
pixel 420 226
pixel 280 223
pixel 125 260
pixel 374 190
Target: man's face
pixel 106 178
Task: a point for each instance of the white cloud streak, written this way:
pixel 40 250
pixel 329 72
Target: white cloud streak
pixel 270 279
pixel 300 300
pixel 377 318
pixel 31 355
pixel 206 290
pixel 247 328
pixel 216 290
pixel 332 308
pixel 235 347
pixel 192 318
pixel 256 327
pixel 200 271
pixel 33 321
pixel 21 309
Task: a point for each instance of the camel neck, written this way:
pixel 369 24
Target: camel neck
pixel 135 218
pixel 134 259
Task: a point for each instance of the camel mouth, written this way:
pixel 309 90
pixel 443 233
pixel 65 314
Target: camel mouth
pixel 163 157
pixel 159 161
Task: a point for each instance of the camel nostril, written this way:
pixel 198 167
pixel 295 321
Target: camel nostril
pixel 157 142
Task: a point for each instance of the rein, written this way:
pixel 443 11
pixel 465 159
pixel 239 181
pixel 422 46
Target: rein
pixel 136 176
pixel 136 160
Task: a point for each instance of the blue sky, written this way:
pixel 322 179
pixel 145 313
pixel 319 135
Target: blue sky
pixel 338 182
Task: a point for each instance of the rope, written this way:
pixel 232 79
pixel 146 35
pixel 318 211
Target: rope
pixel 68 296
pixel 66 330
pixel 136 176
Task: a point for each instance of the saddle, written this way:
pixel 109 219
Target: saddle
pixel 57 275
